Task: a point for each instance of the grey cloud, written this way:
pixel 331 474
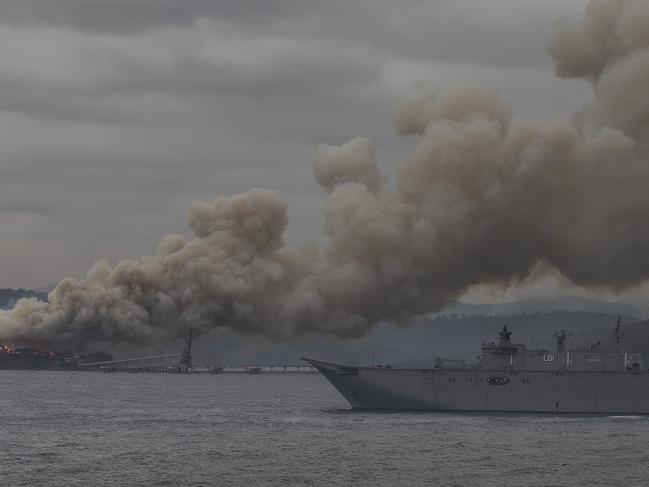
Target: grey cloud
pixel 87 61
pixel 135 16
pixel 98 78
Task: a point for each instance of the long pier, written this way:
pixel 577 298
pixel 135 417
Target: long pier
pixel 227 369
pixel 174 364
pixel 181 363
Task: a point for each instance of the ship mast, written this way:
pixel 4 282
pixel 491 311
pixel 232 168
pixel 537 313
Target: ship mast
pixel 561 340
pixel 505 337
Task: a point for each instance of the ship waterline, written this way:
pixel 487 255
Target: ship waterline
pixel 506 378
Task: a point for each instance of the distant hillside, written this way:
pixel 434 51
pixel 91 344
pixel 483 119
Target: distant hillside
pixel 8 297
pixel 457 332
pixel 550 304
pixel 423 339
pixel 46 289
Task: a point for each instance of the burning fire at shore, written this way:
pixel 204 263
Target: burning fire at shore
pixel 34 358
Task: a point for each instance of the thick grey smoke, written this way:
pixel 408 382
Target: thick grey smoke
pixel 353 162
pixel 478 200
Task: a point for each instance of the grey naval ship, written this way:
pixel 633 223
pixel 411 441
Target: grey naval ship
pixel 506 377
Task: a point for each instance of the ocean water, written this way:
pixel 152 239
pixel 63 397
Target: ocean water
pixel 93 429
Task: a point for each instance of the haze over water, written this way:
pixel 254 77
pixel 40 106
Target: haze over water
pixel 81 428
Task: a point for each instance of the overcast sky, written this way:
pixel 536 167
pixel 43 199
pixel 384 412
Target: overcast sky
pixel 115 115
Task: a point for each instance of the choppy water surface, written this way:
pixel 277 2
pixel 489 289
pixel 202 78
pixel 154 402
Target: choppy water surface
pixel 82 429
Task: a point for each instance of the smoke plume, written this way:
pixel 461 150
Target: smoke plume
pixel 477 200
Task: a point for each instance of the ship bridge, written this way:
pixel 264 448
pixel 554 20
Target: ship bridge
pixel 502 354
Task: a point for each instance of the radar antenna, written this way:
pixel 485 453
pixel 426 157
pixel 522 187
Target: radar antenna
pixel 561 340
pixel 619 334
pixel 505 337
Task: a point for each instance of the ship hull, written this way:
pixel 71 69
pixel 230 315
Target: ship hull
pixel 480 390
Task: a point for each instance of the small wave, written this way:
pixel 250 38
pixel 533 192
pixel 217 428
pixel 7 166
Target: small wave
pixel 339 410
pixel 568 418
pixel 627 417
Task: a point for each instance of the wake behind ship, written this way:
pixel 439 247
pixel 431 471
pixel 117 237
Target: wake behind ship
pixel 506 377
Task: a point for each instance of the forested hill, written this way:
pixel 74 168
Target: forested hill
pixel 423 339
pixel 8 297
